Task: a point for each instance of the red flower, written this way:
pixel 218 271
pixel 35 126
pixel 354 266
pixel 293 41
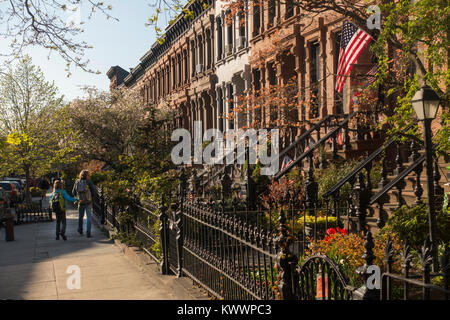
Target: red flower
pixel 344 231
pixel 331 231
pixel 326 239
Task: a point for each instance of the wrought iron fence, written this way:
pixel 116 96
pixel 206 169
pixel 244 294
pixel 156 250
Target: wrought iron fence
pixel 244 254
pixel 230 257
pixel 29 212
pixel 145 223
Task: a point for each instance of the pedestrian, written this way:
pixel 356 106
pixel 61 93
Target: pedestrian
pixel 83 189
pixel 44 185
pixel 58 205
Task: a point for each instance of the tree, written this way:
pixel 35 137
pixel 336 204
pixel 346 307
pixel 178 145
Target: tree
pixel 112 125
pixel 29 126
pixel 41 23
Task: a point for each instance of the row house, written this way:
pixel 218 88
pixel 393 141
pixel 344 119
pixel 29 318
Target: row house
pixel 179 70
pixel 308 55
pixel 204 63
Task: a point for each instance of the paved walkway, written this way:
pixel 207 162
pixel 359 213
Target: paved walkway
pixel 34 266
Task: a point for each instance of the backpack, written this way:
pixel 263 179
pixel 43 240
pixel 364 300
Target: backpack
pixel 84 193
pixel 57 204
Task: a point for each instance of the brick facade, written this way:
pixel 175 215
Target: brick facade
pixel 203 63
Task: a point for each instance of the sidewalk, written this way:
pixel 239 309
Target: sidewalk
pixel 34 267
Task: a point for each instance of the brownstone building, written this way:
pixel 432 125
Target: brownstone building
pixel 204 63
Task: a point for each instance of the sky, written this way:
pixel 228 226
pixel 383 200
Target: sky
pixel 120 43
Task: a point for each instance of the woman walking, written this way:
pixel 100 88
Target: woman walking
pixel 58 205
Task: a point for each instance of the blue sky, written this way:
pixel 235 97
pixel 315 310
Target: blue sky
pixel 120 43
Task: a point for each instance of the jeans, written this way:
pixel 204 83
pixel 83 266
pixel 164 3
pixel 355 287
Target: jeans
pixel 60 220
pixel 81 210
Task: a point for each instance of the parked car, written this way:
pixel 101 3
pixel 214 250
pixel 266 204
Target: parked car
pixel 4 202
pixel 20 191
pixel 12 192
pixel 19 180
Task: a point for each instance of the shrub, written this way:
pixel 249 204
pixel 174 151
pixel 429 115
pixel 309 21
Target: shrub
pixel 100 176
pixel 321 222
pixel 153 187
pixel 411 223
pixel 261 181
pixel 347 251
pixel 117 192
pixel 328 177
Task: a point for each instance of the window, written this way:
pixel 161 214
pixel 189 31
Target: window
pixel 273 114
pixel 200 50
pixel 163 82
pixel 338 103
pixel 208 49
pixel 272 74
pixel 168 79
pixel 173 73
pixel 256 18
pixel 186 67
pixel 229 46
pixel 230 105
pixel 193 58
pixel 289 8
pixel 179 69
pixel 241 22
pixel 272 11
pixel 220 110
pixel 314 79
pixel 219 39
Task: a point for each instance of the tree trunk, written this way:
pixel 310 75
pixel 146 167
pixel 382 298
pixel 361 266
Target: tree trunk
pixel 27 184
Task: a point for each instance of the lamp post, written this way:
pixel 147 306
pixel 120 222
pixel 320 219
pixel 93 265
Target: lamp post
pixel 426 103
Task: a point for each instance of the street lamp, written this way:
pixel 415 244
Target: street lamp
pixel 426 103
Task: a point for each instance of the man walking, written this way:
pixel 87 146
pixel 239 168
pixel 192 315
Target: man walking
pixel 83 189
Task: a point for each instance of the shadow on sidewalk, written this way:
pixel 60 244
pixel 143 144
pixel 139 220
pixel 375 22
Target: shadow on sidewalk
pixel 30 257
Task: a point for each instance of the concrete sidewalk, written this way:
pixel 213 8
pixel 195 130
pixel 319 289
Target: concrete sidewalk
pixel 35 265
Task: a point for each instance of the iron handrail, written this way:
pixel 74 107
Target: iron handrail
pixel 398 178
pixel 224 165
pixel 307 133
pixel 312 148
pixel 363 164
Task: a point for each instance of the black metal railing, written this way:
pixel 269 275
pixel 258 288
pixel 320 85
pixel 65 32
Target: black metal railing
pixel 145 225
pixel 226 254
pixel 243 254
pixel 366 164
pixel 307 150
pixel 29 212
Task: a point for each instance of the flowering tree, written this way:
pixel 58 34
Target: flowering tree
pixel 30 130
pixel 119 129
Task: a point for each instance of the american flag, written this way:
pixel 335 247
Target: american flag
pixel 353 41
pixel 311 143
pixel 371 77
pixel 372 74
pixel 339 138
pixel 286 162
